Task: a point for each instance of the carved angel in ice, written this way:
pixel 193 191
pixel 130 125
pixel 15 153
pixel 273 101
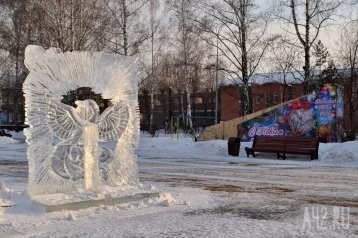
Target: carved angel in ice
pixel 78 155
pixel 65 150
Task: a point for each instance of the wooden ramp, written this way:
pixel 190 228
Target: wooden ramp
pixel 227 129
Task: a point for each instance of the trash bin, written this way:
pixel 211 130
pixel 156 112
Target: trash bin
pixel 233 146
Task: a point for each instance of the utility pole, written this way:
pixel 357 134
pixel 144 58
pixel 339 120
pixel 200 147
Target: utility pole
pixel 216 79
pixel 216 75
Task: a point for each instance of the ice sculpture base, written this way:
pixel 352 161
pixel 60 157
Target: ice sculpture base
pixel 82 200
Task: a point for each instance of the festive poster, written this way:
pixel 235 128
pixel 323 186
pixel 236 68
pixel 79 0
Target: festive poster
pixel 4 118
pixel 311 116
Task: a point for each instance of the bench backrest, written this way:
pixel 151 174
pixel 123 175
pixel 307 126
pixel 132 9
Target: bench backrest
pixel 303 143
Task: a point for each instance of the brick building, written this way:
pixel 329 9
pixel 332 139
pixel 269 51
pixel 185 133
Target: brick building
pixel 263 96
pixel 267 90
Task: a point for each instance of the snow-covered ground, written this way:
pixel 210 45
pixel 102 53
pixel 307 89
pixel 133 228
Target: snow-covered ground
pixel 204 193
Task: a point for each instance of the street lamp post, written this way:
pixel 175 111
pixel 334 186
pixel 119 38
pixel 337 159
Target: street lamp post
pixel 216 79
pixel 216 75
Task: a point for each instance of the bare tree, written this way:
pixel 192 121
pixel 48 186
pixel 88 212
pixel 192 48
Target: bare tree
pixel 283 59
pixel 237 28
pixel 70 24
pixel 126 31
pixel 348 58
pixel 151 64
pixel 15 33
pixel 307 17
pixel 189 50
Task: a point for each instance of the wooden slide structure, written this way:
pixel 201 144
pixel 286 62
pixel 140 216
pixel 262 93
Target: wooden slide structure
pixel 227 129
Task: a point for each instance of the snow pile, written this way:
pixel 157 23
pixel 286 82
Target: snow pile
pixel 18 135
pixel 340 156
pixel 166 199
pixel 340 153
pixel 84 195
pixel 4 195
pixel 184 147
pixel 3 187
pixel 213 147
pixel 71 216
pixel 6 140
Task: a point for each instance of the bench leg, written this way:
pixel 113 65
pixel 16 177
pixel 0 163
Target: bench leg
pixel 283 156
pixel 313 155
pixel 247 153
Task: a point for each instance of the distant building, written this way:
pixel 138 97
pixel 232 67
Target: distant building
pixel 12 102
pixel 168 104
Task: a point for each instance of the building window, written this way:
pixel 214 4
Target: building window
pixel 11 117
pixel 257 99
pixel 275 97
pixel 19 118
pixel 198 100
pixel 156 102
pixel 176 101
pixel 11 100
pixel 267 99
pixel 19 100
pixel 289 92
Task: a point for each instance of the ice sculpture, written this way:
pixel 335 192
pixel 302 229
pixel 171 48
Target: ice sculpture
pixel 63 142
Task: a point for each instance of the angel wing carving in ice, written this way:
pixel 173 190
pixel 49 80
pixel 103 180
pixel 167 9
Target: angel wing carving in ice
pixel 65 150
pixel 78 155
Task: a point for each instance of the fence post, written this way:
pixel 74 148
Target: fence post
pixel 171 127
pixel 178 127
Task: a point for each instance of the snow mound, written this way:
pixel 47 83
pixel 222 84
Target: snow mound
pixel 3 187
pixel 71 216
pixel 213 147
pixel 6 140
pixel 340 156
pixel 166 199
pixel 346 152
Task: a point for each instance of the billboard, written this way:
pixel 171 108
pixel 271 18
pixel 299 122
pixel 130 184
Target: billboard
pixel 318 114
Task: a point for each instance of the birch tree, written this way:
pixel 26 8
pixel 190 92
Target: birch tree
pixel 69 24
pixel 189 49
pixel 238 29
pixel 126 32
pixel 283 59
pixel 15 34
pixel 151 63
pixel 307 18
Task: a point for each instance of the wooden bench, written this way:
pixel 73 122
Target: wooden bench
pixel 285 145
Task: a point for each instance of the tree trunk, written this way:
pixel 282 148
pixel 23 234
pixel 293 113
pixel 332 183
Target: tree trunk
pixel 245 99
pixel 307 68
pixel 151 124
pixel 125 33
pixel 188 113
